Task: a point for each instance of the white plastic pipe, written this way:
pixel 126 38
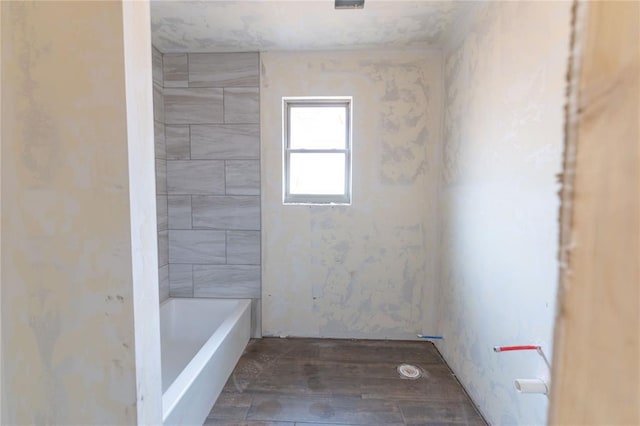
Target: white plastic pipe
pixel 531 386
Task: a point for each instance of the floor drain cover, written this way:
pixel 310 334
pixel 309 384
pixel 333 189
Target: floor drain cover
pixel 409 371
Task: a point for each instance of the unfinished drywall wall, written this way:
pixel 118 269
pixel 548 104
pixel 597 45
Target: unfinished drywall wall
pixel 365 270
pixel 78 255
pixel 503 140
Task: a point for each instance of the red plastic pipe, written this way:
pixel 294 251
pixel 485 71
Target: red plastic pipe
pixel 516 348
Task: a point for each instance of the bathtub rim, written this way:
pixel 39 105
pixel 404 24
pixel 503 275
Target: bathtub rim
pixel 181 384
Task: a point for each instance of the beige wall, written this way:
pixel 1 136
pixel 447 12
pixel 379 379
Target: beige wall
pixel 365 270
pixel 503 141
pixel 78 256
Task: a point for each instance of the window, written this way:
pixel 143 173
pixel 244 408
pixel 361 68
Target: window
pixel 317 150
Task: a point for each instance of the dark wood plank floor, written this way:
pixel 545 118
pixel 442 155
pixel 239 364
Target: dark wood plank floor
pixel 317 382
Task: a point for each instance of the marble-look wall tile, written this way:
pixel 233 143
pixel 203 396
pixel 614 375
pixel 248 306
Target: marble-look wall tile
pixel 161 177
pixel 242 105
pixel 226 281
pixel 197 246
pixel 163 282
pixel 242 177
pixel 163 248
pixel 225 141
pixel 256 318
pixel 160 155
pixel 226 212
pixel 158 104
pixel 179 211
pixel 177 142
pixel 195 177
pixel 193 106
pixel 224 69
pixel 162 212
pixel 156 70
pixel 176 70
pixel 159 140
pixel 211 141
pixel 180 280
pixel 243 247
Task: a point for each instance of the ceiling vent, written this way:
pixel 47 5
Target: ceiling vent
pixel 349 4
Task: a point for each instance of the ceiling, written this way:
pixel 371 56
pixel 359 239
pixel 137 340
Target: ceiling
pixel 267 25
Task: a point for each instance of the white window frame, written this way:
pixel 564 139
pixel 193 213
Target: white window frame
pixel 315 101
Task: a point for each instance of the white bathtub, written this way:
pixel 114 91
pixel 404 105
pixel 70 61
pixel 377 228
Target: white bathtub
pixel 201 342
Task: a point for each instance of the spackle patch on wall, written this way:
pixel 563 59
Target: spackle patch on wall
pixel 403 90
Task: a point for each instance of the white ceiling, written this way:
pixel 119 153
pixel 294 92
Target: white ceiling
pixel 267 25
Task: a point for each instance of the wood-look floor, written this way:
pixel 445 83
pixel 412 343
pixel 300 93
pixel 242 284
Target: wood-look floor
pixel 340 382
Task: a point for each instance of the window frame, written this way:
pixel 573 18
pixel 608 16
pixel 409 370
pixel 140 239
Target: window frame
pixel 315 101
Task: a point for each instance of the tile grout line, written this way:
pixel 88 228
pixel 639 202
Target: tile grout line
pixel 188 71
pixel 404 418
pixel 193 284
pixel 191 210
pixel 464 390
pixel 253 397
pixel 224 115
pixel 226 247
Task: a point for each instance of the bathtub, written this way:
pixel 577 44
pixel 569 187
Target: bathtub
pixel 201 342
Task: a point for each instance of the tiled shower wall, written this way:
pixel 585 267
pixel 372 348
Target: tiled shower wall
pixel 161 175
pixel 212 135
